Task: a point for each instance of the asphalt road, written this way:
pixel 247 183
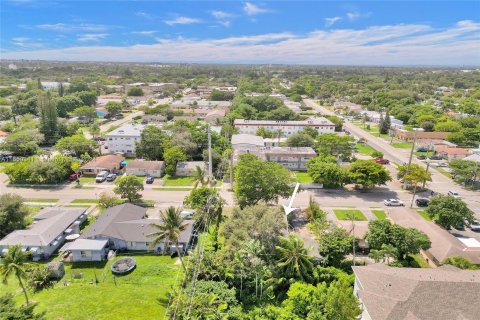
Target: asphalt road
pixel 440 183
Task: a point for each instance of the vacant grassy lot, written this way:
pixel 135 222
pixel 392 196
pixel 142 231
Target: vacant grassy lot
pixel 96 295
pixel 84 201
pixel 347 214
pixel 169 181
pixel 380 214
pixel 303 177
pixel 402 145
pixel 364 149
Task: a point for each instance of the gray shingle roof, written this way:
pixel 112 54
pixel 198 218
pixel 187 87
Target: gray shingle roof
pixel 87 244
pixel 46 230
pixel 443 293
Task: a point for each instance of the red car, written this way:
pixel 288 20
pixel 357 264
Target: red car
pixel 73 177
pixel 382 161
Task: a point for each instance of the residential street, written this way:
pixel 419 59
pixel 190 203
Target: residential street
pixel 440 183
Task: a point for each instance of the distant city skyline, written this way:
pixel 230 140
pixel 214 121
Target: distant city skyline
pixel 278 32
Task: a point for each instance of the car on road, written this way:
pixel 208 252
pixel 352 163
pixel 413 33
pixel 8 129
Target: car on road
pixel 421 202
pixel 442 165
pixel 393 203
pixel 421 157
pixel 454 194
pixel 435 158
pixel 475 225
pixel 382 161
pixel 149 180
pixel 111 177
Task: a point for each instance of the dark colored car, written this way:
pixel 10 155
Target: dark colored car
pixel 435 158
pixel 421 157
pixel 149 180
pixel 422 202
pixel 422 149
pixel 382 161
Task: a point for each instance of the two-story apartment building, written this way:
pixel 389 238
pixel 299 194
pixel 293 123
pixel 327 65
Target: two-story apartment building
pixel 292 158
pixel 287 128
pixel 123 139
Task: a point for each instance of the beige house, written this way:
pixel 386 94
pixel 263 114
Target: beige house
pixel 450 154
pixel 145 168
pixel 109 162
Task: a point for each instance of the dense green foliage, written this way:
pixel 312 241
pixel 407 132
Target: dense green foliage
pixel 367 174
pixel 129 187
pixel 13 213
pixel 9 310
pixel 34 170
pixel 449 212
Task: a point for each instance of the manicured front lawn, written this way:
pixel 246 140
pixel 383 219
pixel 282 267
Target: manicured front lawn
pixel 169 181
pixel 402 145
pixel 303 177
pixel 138 295
pixel 424 215
pixel 346 214
pixel 380 214
pixel 364 149
pixel 445 173
pixel 84 201
pixel 41 200
pixel 87 180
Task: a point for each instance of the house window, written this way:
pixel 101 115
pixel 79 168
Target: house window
pixel 131 243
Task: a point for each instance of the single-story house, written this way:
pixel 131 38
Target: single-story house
pixel 109 162
pixel 126 228
pixel 433 144
pixel 473 157
pixel 389 293
pixel 87 250
pixel 145 168
pixel 214 115
pixel 410 135
pixel 47 233
pixel 186 168
pixel 450 154
pixel 154 118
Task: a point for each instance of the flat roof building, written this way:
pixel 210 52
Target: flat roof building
pixel 321 124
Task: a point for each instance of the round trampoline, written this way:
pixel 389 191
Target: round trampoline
pixel 123 266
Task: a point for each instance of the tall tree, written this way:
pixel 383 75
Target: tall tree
pixel 129 187
pixel 152 143
pixel 200 177
pixel 335 145
pixel 13 263
pixel 330 174
pixel 449 212
pixel 169 230
pixel 77 144
pixel 9 311
pixel 13 213
pixel 386 123
pixel 368 174
pixel 47 111
pixel 172 156
pixel 293 259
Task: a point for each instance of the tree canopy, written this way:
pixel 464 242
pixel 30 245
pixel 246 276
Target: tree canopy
pixel 449 212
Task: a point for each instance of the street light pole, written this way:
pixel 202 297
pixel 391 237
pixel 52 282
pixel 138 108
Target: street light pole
pixel 411 155
pixel 425 181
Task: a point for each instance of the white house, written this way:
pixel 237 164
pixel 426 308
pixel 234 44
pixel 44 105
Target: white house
pixel 145 168
pixel 87 250
pixel 47 233
pixel 186 168
pixel 123 139
pixel 126 228
pixel 292 158
pixel 321 124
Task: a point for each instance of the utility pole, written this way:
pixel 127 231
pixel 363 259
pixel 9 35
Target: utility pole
pixel 425 181
pixel 231 170
pixel 209 154
pixel 411 155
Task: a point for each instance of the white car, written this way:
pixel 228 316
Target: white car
pixel 454 194
pixel 393 203
pixel 475 225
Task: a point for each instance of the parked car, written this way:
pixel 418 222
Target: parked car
pixel 435 158
pixel 453 194
pixel 475 225
pixel 111 177
pixel 442 165
pixel 101 176
pixel 382 161
pixel 393 203
pixel 422 202
pixel 74 177
pixel 149 180
pixel 422 149
pixel 187 214
pixel 421 157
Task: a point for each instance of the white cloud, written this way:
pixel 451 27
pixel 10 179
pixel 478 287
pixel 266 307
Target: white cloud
pixel 182 20
pixel 403 44
pixel 24 42
pixel 63 27
pixel 144 33
pixel 91 37
pixel 354 15
pixel 217 14
pixel 143 15
pixel 252 10
pixel 331 21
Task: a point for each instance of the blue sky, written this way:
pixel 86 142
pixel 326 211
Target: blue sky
pixel 298 32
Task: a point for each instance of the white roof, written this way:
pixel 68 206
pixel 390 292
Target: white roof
pixel 474 157
pixel 128 130
pixel 317 121
pixel 87 244
pixel 247 139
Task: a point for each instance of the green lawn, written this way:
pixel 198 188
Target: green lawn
pixel 142 294
pixel 420 261
pixel 445 173
pixel 424 215
pixel 402 145
pixel 380 214
pixel 303 177
pixel 345 214
pixel 364 149
pixel 169 181
pixel 84 201
pixel 87 180
pixel 40 200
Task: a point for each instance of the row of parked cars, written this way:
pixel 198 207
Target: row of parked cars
pixel 107 176
pixel 420 202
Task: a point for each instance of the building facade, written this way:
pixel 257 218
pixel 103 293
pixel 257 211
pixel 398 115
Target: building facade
pixel 123 139
pixel 287 128
pixel 289 157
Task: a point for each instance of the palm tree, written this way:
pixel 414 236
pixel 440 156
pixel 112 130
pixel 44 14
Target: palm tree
pixel 376 255
pixel 169 230
pixel 200 177
pixel 13 263
pixel 294 260
pixel 389 251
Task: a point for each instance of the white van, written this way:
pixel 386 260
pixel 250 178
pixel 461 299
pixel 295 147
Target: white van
pixel 101 176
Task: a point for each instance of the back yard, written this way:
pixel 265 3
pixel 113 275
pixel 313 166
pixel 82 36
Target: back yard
pixel 89 291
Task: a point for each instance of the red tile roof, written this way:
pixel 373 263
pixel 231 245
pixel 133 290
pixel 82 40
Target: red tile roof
pixel 453 150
